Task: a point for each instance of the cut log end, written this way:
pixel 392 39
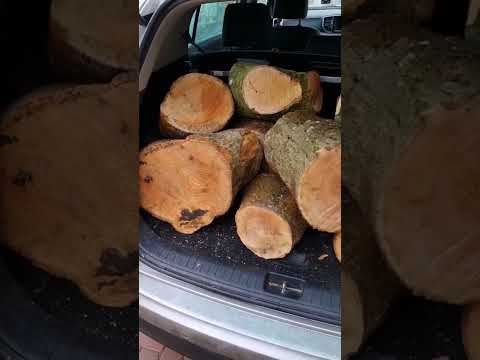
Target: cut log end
pixel 186 183
pixel 264 232
pixel 439 202
pixel 268 91
pixel 319 191
pixel 353 329
pixel 471 332
pixel 196 103
pixel 268 221
pixel 337 245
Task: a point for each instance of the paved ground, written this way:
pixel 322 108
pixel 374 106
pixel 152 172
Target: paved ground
pixel 151 350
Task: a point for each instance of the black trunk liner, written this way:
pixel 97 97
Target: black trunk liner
pixel 215 258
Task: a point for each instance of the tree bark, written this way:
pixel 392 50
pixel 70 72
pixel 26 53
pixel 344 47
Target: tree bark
pixel 368 285
pixel 268 221
pixel 189 182
pixel 259 128
pixel 305 151
pixel 412 104
pixel 196 104
pixel 68 197
pixel 471 331
pixel 262 91
pixel 88 44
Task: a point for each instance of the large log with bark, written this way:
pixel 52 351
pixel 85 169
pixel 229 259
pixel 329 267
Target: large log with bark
pixel 368 285
pixel 268 221
pixel 263 91
pixel 189 182
pixel 471 331
pixel 305 151
pixel 411 151
pixel 93 40
pixel 67 194
pixel 196 103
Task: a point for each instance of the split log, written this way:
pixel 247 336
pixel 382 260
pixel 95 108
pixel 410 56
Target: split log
pixel 337 245
pixel 68 196
pixel 195 104
pixel 471 332
pixel 93 40
pixel 259 128
pixel 263 91
pixel 368 286
pixel 305 151
pixel 411 152
pixel 189 182
pixel 268 221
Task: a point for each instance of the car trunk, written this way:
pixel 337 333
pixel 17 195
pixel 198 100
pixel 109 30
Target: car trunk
pixel 307 281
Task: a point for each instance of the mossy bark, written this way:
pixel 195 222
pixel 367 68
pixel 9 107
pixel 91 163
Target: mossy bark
pixel 412 105
pixel 291 147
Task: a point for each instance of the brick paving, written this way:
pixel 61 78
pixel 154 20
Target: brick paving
pixel 152 350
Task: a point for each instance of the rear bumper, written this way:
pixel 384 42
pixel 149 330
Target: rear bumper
pixel 229 327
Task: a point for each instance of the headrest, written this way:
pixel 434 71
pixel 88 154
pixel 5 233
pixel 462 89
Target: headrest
pixel 247 25
pixel 290 9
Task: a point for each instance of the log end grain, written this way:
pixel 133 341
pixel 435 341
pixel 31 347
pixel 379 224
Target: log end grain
pixel 268 221
pixel 268 91
pixel 185 183
pixel 196 103
pixel 319 193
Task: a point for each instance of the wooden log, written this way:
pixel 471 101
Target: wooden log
pixel 337 245
pixel 262 91
pixel 268 221
pixel 305 151
pixel 196 103
pixel 259 128
pixel 189 182
pixel 68 196
pixel 410 151
pixel 471 331
pixel 92 41
pixel 368 285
